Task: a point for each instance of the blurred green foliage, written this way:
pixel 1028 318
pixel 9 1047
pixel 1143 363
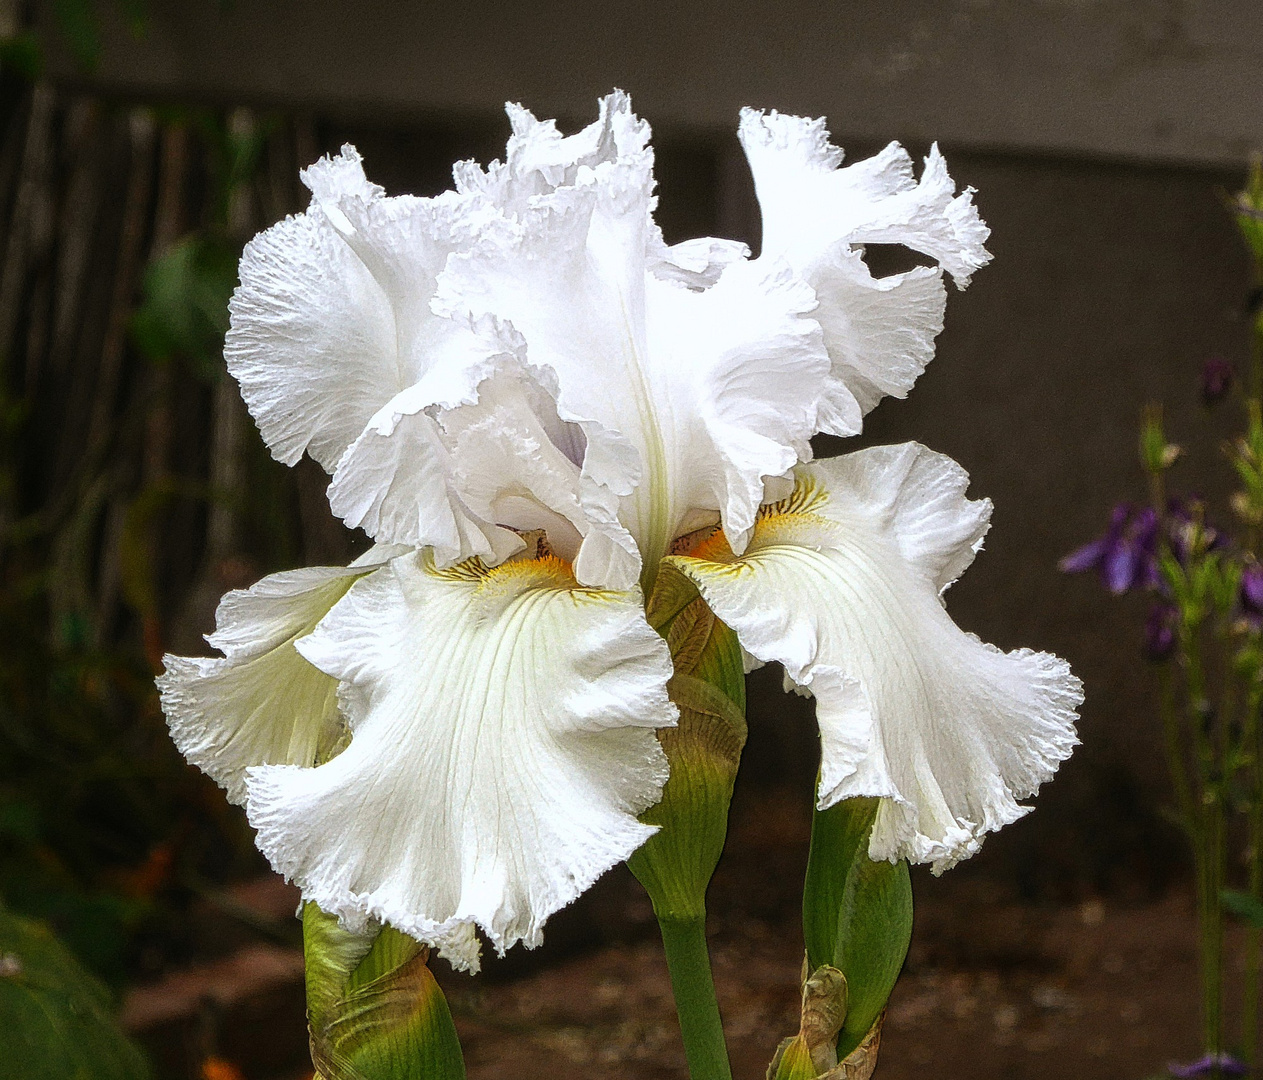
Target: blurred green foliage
pixel 100 821
pixel 105 833
pixel 185 307
pixel 78 25
pixel 58 1020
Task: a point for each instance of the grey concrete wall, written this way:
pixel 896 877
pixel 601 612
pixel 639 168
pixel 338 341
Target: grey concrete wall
pixel 1149 79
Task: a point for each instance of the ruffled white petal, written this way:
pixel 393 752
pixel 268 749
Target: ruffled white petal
pixel 477 452
pixel 502 745
pixel 516 460
pixel 740 369
pixel 696 263
pixel 332 317
pixel 842 584
pixel 880 332
pixel 396 480
pixel 539 159
pixel 713 371
pixel 261 703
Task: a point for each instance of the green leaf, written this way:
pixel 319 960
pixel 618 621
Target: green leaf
pixel 1247 908
pixel 57 1019
pixel 857 914
pixel 374 1009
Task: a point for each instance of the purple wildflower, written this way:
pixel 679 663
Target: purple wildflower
pixel 1210 1065
pixel 1160 632
pixel 1217 378
pixel 1251 595
pixel 1126 556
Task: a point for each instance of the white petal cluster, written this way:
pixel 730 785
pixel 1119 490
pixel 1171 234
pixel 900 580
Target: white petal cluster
pixel 525 396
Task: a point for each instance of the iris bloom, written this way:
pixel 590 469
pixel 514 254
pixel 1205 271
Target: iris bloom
pixel 533 405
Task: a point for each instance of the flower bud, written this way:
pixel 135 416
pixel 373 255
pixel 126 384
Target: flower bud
pixel 1249 209
pixel 1252 588
pixel 1156 454
pixel 857 918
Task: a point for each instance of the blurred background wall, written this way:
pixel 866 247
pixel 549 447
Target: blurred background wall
pixel 1102 137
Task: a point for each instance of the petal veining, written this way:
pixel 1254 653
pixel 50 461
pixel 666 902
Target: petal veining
pixel 842 584
pixel 502 743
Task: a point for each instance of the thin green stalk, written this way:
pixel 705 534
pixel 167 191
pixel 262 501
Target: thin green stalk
pixel 1208 855
pixel 688 961
pixel 1256 360
pixel 1254 740
pixel 1175 757
pixel 1210 916
pixel 1250 984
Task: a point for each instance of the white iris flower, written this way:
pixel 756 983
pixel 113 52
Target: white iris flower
pixel 525 357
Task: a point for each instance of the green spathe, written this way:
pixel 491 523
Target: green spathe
pixel 857 914
pixel 676 863
pixel 708 686
pixel 373 1007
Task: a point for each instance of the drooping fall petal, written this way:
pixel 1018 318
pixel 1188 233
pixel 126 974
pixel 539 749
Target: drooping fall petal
pixel 502 742
pixel 842 584
pixel 263 702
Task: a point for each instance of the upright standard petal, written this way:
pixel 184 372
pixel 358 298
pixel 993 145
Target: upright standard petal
pixel 477 452
pixel 332 316
pixel 739 371
pixel 539 159
pixel 262 703
pixel 842 584
pixel 714 375
pixel 817 215
pixel 502 743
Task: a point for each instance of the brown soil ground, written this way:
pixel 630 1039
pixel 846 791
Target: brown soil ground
pixel 993 989
pixel 1095 993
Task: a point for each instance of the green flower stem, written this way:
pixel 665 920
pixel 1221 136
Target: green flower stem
pixel 1253 746
pixel 1175 758
pixel 1211 919
pixel 1250 981
pixel 676 863
pixel 1210 852
pixel 688 961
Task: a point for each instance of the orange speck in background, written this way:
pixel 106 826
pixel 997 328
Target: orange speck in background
pixel 214 1068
